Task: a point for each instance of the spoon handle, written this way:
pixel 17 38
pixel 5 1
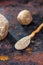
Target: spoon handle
pixel 36 31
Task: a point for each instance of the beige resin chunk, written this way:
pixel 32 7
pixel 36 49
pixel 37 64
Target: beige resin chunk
pixel 24 17
pixel 3 27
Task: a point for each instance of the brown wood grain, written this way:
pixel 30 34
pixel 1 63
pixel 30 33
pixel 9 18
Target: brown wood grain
pixel 34 54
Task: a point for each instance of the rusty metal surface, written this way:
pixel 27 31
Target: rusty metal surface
pixel 34 56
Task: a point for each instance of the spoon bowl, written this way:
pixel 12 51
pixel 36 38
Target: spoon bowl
pixel 22 43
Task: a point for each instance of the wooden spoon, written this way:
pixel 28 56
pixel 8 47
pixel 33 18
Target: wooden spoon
pixel 25 41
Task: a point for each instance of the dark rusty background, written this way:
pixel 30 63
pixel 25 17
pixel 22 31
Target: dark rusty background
pixel 34 56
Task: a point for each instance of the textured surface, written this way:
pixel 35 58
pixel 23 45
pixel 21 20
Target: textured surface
pixel 32 55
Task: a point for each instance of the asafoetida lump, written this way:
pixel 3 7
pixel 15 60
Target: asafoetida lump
pixel 24 17
pixel 4 25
